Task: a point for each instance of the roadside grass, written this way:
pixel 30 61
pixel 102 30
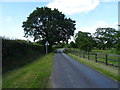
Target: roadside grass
pixel 33 75
pixel 107 70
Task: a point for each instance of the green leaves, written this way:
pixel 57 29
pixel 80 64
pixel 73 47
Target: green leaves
pixel 44 24
pixel 105 37
pixel 84 41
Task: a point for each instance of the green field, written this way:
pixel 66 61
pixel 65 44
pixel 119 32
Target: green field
pixel 34 75
pixel 107 70
pixel 112 51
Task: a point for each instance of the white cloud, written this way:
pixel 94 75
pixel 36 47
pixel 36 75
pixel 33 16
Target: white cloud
pixel 8 19
pixel 116 23
pixel 102 24
pixel 26 0
pixel 74 6
pixel 97 25
pixel 109 0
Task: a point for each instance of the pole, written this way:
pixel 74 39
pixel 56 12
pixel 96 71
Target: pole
pixel 46 44
pixel 46 49
pixel 106 59
pixel 96 57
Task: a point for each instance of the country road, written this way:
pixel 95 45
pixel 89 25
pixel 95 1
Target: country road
pixel 69 73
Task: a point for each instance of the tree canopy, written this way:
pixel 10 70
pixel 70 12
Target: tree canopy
pixel 44 24
pixel 105 37
pixel 84 41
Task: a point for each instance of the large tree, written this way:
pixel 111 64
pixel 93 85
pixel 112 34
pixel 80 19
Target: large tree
pixel 84 41
pixel 44 24
pixel 105 37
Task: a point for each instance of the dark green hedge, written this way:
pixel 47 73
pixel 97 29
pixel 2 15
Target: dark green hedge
pixel 16 53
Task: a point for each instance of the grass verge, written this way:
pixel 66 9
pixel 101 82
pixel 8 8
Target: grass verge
pixel 33 75
pixel 107 70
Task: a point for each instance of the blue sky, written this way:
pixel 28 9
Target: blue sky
pixel 88 14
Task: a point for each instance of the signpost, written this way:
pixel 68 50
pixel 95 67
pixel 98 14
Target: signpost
pixel 47 44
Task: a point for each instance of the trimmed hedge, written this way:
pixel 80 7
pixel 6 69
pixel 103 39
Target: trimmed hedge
pixel 16 53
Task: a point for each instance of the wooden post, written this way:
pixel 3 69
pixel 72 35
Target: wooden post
pixel 80 54
pixel 83 55
pixel 106 59
pixel 88 56
pixel 96 57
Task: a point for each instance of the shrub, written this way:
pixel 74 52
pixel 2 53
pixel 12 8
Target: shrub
pixel 16 53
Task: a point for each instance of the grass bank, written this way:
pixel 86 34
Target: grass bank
pixel 107 70
pixel 33 75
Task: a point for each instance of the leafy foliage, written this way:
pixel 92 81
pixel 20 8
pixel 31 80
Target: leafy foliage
pixel 44 24
pixel 16 53
pixel 72 44
pixel 84 41
pixel 105 37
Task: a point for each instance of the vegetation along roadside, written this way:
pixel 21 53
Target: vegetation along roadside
pixel 33 75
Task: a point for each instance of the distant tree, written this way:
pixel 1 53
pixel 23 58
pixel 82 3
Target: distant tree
pixel 72 44
pixel 84 41
pixel 105 37
pixel 44 24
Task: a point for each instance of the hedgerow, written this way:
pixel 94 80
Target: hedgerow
pixel 16 53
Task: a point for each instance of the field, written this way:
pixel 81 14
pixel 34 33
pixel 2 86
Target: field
pixel 112 51
pixel 34 75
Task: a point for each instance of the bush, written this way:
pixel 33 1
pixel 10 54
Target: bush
pixel 16 53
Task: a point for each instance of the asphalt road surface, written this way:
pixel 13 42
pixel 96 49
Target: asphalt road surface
pixel 69 73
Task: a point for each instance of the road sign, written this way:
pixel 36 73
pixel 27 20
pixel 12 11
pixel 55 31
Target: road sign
pixel 47 44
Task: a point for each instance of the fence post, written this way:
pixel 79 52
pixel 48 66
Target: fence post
pixel 83 55
pixel 77 54
pixel 106 59
pixel 88 56
pixel 96 57
pixel 80 54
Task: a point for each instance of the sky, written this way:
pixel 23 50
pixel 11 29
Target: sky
pixel 88 14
